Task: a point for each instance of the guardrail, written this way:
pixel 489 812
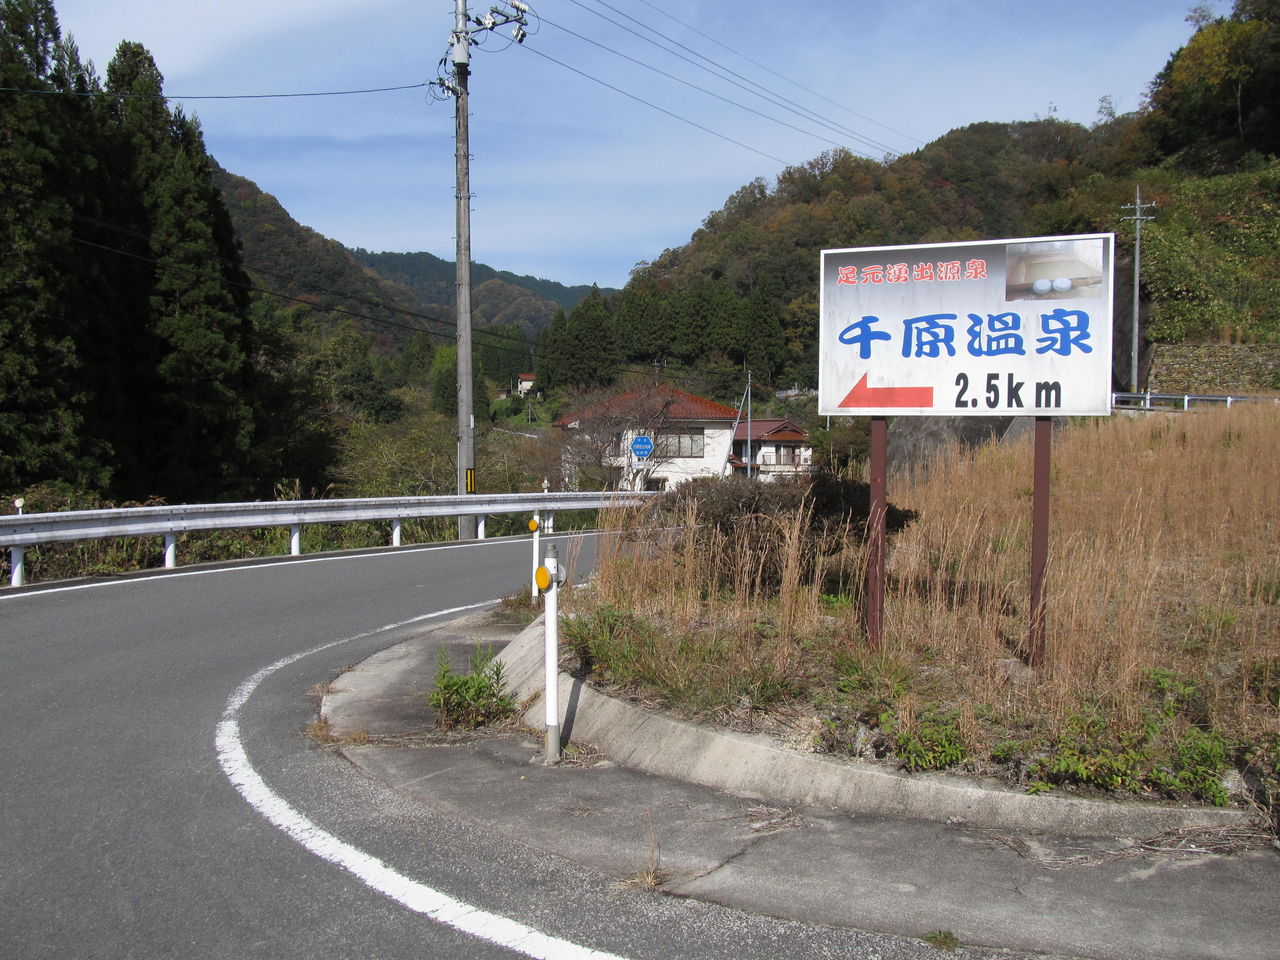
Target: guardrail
pixel 1180 401
pixel 19 531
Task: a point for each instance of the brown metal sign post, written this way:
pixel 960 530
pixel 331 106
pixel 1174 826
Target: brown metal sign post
pixel 1039 538
pixel 876 528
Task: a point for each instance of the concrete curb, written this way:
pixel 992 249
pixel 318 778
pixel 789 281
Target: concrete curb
pixel 753 767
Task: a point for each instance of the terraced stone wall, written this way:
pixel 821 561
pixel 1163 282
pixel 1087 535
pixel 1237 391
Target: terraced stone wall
pixel 1215 368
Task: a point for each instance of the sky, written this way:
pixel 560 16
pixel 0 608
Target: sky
pixel 579 176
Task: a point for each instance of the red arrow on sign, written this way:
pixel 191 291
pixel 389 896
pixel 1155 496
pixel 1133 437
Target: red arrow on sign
pixel 863 396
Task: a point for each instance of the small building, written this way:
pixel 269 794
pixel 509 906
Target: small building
pixel 779 449
pixel 524 383
pixel 691 437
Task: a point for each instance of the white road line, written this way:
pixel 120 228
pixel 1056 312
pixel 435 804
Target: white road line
pixel 253 567
pixel 368 869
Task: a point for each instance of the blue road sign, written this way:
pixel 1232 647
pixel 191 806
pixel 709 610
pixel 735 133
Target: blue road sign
pixel 642 447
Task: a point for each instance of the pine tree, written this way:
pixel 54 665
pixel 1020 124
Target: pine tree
pixel 42 398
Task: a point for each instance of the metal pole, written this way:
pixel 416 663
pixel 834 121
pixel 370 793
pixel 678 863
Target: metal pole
pixel 1039 538
pixel 1137 272
pixel 466 417
pixel 551 660
pixel 395 532
pixel 1138 218
pixel 295 540
pixel 170 551
pixel 748 424
pixel 17 566
pixel 876 517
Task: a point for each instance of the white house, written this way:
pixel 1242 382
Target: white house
pixel 690 437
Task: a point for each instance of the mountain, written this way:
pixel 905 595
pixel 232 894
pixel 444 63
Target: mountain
pixel 297 264
pixel 386 295
pixel 497 296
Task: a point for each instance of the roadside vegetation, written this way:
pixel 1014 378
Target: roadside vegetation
pixel 1162 672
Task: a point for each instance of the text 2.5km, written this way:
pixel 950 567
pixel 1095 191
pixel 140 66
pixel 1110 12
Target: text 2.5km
pixel 1004 391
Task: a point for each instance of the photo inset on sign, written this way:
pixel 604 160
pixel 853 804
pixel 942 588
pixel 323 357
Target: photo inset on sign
pixel 1054 270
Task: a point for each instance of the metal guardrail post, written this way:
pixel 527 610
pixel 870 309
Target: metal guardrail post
pixel 480 526
pixel 17 567
pixel 295 540
pixel 170 550
pixel 396 526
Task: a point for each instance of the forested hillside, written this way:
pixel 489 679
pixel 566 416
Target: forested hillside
pixel 300 266
pixel 497 296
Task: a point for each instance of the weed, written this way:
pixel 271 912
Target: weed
pixel 1195 768
pixel 519 607
pixel 942 940
pixel 321 731
pixel 929 744
pixel 650 877
pixel 470 699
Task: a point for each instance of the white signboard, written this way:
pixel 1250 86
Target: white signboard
pixel 982 328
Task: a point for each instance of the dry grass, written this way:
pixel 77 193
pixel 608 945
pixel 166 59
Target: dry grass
pixel 1163 599
pixel 1163 556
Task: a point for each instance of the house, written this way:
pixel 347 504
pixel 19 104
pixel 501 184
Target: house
pixel 690 437
pixel 524 383
pixel 779 449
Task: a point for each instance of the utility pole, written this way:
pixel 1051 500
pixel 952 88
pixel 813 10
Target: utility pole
pixel 464 30
pixel 748 424
pixel 1138 218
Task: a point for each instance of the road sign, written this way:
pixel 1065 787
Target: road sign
pixel 981 328
pixel 642 447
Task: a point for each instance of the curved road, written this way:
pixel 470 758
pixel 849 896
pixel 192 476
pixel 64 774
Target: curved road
pixel 122 836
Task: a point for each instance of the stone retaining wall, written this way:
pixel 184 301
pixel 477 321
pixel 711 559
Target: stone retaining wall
pixel 1214 368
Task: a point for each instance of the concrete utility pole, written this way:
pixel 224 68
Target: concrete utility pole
pixel 1138 218
pixel 464 30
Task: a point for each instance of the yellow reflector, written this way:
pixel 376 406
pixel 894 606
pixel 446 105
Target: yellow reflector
pixel 533 526
pixel 542 577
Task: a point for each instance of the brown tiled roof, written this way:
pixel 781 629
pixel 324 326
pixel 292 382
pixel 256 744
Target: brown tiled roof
pixel 674 405
pixel 773 429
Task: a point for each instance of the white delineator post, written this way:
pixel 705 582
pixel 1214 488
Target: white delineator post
pixel 534 526
pixel 17 555
pixel 549 581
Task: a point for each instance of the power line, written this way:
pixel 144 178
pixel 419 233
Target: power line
pixel 212 96
pixel 694 86
pixel 676 116
pixel 780 76
pixel 778 100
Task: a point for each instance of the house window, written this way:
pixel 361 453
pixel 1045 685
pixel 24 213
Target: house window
pixel 670 444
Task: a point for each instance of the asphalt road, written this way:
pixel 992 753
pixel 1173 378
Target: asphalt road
pixel 122 834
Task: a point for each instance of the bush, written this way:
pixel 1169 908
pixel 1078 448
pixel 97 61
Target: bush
pixel 472 699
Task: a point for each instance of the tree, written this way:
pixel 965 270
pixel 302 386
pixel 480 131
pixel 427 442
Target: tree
pixel 44 150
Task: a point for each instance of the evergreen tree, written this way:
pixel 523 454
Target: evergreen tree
pixel 553 348
pixel 42 153
pixel 591 357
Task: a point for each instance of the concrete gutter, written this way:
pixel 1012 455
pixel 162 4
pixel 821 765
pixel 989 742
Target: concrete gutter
pixel 752 766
